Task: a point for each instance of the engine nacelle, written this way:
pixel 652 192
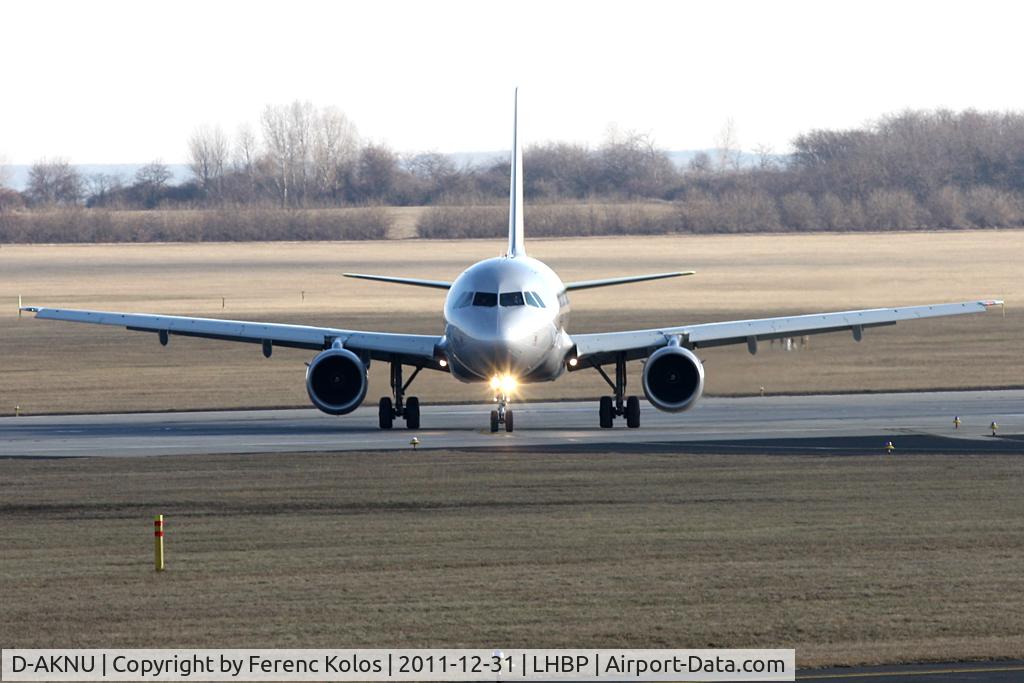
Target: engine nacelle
pixel 673 379
pixel 336 381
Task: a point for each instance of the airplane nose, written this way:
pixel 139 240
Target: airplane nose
pixel 498 343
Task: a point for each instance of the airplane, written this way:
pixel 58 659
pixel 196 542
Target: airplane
pixel 505 323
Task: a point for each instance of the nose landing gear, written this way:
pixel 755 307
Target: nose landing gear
pixel 503 415
pixel 409 408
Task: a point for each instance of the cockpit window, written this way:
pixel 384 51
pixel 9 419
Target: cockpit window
pixel 512 299
pixel 464 300
pixel 533 299
pixel 485 299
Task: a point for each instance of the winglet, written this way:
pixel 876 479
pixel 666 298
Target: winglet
pixel 989 303
pixel 516 240
pixel 26 309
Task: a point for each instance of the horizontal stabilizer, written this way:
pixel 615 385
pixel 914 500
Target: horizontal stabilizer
pixel 416 282
pixel 607 282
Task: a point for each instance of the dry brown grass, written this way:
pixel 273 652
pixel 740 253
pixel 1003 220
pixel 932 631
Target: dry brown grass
pixel 847 559
pixel 48 366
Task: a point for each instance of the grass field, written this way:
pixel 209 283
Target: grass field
pixel 61 367
pixel 847 559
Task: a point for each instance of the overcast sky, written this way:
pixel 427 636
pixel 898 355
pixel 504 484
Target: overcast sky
pixel 107 82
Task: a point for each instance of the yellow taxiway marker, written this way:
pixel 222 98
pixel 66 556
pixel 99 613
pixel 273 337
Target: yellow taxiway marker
pixel 158 543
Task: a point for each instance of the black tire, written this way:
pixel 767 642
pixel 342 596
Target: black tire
pixel 508 420
pixel 605 412
pixel 385 413
pixel 632 412
pixel 494 420
pixel 412 413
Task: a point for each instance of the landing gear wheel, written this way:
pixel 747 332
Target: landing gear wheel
pixel 494 420
pixel 632 412
pixel 385 413
pixel 605 412
pixel 508 420
pixel 412 413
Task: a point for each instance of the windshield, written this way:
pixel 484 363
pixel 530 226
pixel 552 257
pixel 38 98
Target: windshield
pixel 533 299
pixel 512 299
pixel 485 299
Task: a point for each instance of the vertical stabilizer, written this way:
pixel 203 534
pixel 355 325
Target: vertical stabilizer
pixel 516 245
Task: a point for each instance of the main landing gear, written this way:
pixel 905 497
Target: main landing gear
pixel 503 415
pixel 409 408
pixel 619 404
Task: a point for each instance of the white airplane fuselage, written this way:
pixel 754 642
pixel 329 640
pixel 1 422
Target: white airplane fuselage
pixel 506 317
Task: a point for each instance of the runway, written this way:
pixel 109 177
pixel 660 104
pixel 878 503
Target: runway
pixel 947 672
pixel 854 423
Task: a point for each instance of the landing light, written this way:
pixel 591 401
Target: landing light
pixel 573 362
pixel 505 383
pixel 443 363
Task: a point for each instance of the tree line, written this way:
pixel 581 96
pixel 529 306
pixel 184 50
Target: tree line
pixel 911 170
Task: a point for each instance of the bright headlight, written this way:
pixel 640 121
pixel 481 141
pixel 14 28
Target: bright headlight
pixel 504 383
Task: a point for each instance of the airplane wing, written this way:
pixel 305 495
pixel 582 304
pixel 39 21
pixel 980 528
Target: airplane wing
pixel 436 284
pixel 601 348
pixel 607 282
pixel 413 349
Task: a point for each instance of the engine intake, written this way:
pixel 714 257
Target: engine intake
pixel 336 381
pixel 673 379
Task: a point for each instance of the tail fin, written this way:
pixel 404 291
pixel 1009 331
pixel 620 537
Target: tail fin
pixel 516 239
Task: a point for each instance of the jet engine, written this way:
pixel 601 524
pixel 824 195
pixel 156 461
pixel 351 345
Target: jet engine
pixel 336 381
pixel 673 379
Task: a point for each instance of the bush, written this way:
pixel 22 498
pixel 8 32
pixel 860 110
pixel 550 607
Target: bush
pixel 891 210
pixel 948 208
pixel 544 220
pixel 734 211
pixel 222 225
pixel 991 208
pixel 463 222
pixel 799 212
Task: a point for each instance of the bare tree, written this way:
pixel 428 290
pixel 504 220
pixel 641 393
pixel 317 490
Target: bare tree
pixel 208 158
pixel 700 163
pixel 279 150
pixel 102 188
pixel 727 147
pixel 53 182
pixel 335 151
pixel 376 172
pixel 629 163
pixel 765 156
pixel 5 172
pixel 150 182
pixel 245 158
pixel 287 134
pixel 302 121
